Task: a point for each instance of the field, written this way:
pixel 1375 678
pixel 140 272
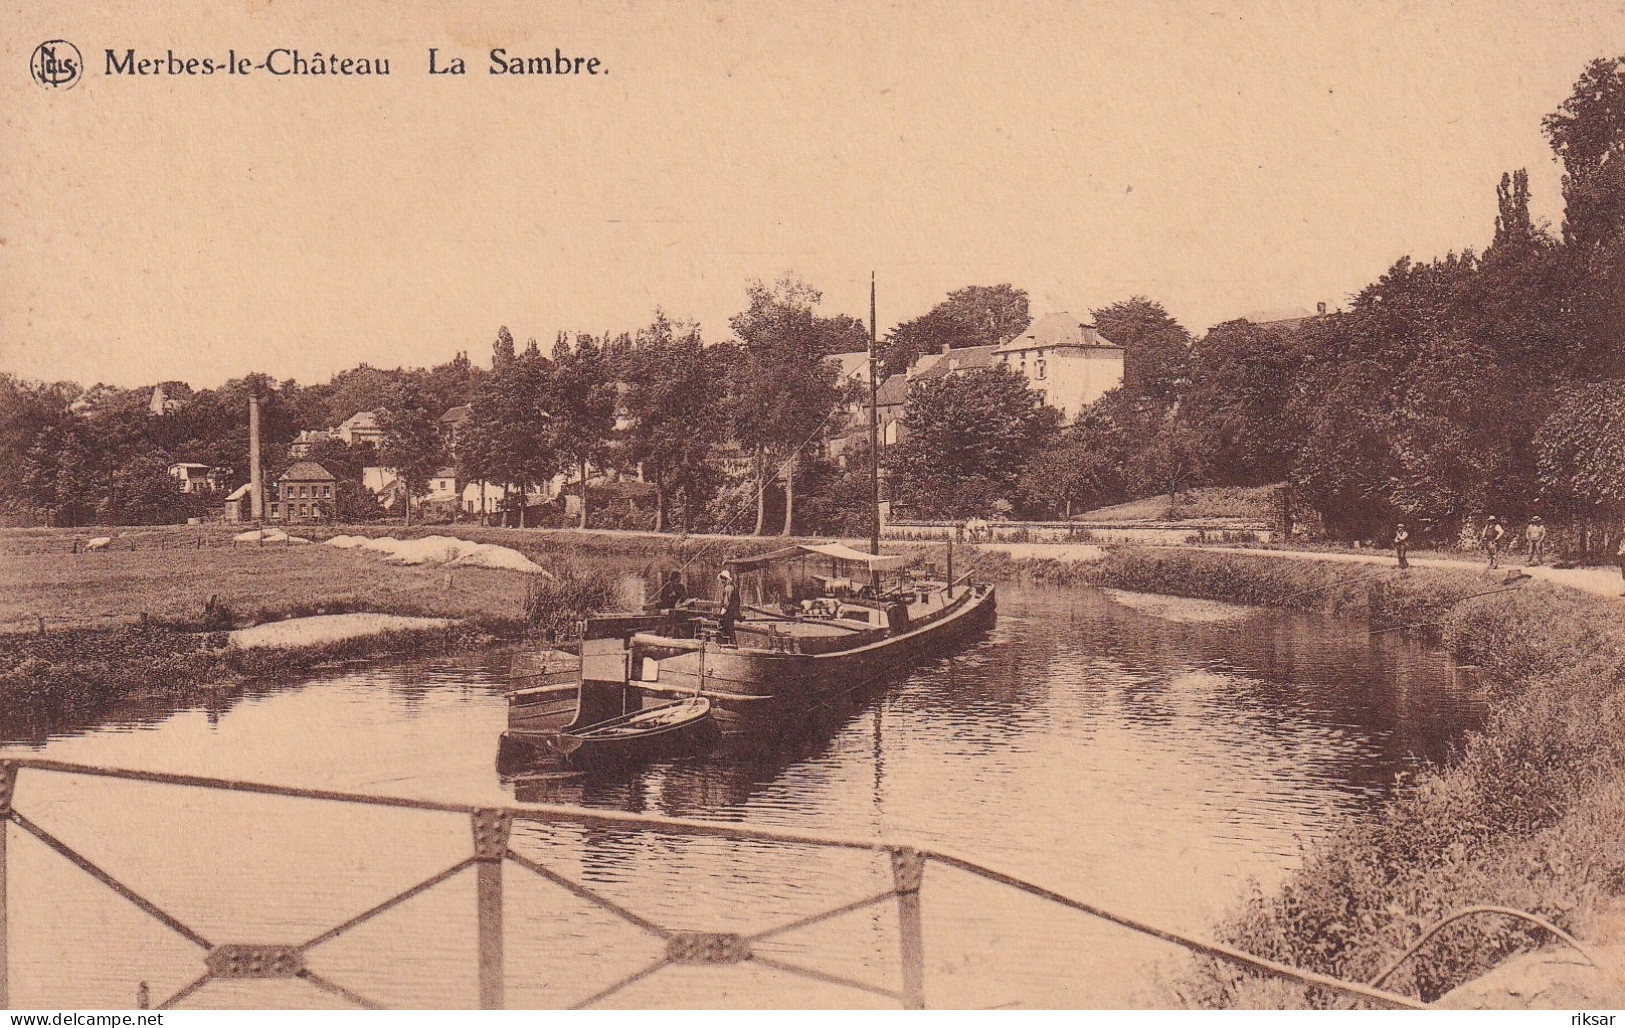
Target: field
pixel 169 573
pixel 1217 503
pixel 117 587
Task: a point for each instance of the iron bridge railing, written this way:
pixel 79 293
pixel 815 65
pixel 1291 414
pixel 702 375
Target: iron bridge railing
pixel 490 854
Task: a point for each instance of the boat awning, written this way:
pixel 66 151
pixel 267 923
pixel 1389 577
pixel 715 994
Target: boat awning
pixel 835 551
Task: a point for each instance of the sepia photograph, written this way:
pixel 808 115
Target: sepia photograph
pixel 714 505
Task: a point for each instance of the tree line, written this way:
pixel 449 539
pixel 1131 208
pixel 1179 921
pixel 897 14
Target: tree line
pixel 1448 389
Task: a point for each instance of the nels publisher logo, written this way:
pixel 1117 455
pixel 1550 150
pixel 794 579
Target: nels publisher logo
pixel 56 64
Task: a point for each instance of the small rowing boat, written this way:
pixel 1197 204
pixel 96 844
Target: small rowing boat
pixel 657 732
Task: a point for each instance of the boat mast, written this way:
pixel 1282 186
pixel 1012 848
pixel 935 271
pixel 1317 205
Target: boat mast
pixel 874 430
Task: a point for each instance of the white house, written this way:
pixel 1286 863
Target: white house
pixel 1066 361
pixel 194 478
pixel 480 498
pixel 360 427
pixel 306 440
pixel 443 487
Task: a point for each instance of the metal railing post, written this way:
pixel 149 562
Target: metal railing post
pixel 491 828
pixel 7 790
pixel 908 869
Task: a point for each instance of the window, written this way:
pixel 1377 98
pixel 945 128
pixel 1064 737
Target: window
pixel 327 491
pixel 1038 368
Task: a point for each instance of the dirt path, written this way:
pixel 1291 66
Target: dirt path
pixel 1597 581
pixel 1603 581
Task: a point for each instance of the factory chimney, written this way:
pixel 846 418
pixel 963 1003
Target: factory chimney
pixel 256 484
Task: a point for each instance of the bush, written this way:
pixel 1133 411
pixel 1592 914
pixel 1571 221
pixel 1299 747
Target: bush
pixel 554 606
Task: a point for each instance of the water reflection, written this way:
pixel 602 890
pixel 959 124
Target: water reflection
pixel 1150 756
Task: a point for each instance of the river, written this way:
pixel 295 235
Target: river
pixel 1157 757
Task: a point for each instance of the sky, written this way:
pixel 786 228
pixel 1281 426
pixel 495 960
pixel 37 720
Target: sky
pixel 1221 158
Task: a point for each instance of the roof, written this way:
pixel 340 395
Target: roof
pixel 240 492
pixel 837 551
pixel 361 419
pixel 446 473
pixel 965 358
pixel 307 471
pixel 1057 330
pixel 456 414
pixel 853 365
pixel 187 464
pixel 892 392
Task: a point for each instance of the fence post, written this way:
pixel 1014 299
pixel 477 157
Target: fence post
pixel 491 828
pixel 908 869
pixel 8 785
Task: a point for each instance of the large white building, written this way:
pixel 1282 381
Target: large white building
pixel 1066 361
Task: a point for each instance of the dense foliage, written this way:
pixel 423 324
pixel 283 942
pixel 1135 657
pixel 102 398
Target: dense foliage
pixel 1448 389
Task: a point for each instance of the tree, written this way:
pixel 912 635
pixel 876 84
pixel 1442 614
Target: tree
pixel 972 316
pixel 26 409
pixel 673 404
pixel 508 436
pixel 968 437
pixel 782 390
pixel 146 494
pixel 412 445
pixel 1241 379
pixel 1514 228
pixel 1069 473
pixel 1588 135
pixel 1156 348
pixel 582 405
pixel 1581 452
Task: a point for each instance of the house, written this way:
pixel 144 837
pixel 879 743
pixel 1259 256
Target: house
pixel 851 367
pixel 1287 320
pixel 361 427
pixel 934 366
pixel 306 440
pixel 451 424
pixel 1065 360
pixel 195 478
pixel 378 480
pixel 167 398
pixel 483 498
pixel 304 492
pixel 240 504
pixel 890 400
pixel 443 490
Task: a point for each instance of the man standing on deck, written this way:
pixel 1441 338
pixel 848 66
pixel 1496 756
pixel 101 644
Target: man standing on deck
pixel 1402 541
pixel 672 592
pixel 729 603
pixel 1491 538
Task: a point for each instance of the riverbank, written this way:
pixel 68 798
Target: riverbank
pixel 1525 817
pixel 150 614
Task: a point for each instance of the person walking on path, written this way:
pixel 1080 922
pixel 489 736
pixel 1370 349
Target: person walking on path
pixel 1491 538
pixel 1535 534
pixel 1402 540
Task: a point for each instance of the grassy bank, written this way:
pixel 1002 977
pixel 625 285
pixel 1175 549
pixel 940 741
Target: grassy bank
pixel 1527 816
pixel 169 574
pixel 80 633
